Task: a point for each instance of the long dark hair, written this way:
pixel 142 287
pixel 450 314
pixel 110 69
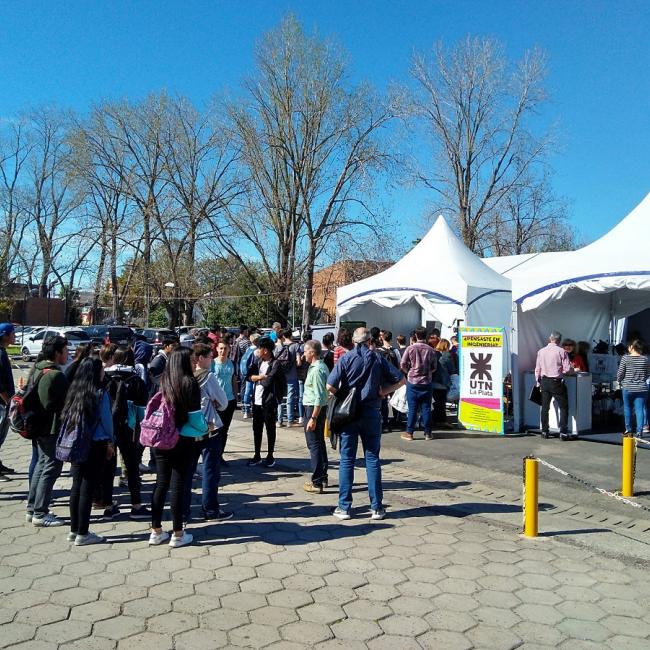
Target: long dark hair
pixel 83 351
pixel 83 398
pixel 178 386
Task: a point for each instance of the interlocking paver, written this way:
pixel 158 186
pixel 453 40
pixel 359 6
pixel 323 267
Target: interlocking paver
pixel 290 578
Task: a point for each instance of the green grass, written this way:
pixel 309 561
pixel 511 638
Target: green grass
pixel 13 350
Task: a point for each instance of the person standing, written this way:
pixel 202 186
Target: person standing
pixel 633 373
pixel 373 377
pixel 7 387
pixel 244 368
pixel 270 384
pixel 181 391
pixel 441 382
pixel 550 367
pixel 287 355
pixel 327 354
pixel 314 402
pixel 343 343
pixel 52 391
pixel 88 410
pixel 158 363
pixel 213 400
pixel 419 363
pixel 224 371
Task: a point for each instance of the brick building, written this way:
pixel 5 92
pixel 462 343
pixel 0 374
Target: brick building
pixel 327 281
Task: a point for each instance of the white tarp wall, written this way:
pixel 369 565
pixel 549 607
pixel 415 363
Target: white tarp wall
pixel 584 294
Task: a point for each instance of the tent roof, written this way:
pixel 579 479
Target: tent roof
pixel 618 260
pixel 440 266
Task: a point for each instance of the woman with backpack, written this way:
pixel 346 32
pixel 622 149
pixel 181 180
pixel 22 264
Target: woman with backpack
pixel 86 440
pixel 181 395
pixel 128 392
pixel 441 382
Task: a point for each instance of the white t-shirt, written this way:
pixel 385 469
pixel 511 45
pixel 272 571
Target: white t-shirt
pixel 259 389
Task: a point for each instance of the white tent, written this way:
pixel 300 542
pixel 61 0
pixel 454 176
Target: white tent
pixel 585 294
pixel 440 279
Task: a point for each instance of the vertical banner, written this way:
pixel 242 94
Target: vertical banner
pixel 481 378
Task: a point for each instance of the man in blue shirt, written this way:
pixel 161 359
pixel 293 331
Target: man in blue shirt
pixel 375 377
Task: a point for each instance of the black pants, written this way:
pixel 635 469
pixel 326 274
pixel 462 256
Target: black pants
pixel 226 419
pixel 85 477
pixel 439 412
pixel 172 470
pixel 264 416
pixel 316 444
pixel 554 388
pixel 130 451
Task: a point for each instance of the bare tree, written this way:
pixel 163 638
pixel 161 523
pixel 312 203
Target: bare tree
pixel 477 113
pixel 15 149
pixel 310 148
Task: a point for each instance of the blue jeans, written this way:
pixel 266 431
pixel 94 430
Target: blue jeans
pixel 247 400
pixel 292 399
pixel 418 397
pixel 368 428
pixel 47 470
pixel 636 401
pixel 316 444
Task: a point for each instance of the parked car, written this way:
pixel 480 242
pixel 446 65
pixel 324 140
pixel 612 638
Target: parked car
pixel 156 336
pixel 31 348
pixel 24 332
pixel 103 334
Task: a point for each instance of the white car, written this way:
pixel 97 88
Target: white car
pixel 33 344
pixel 23 333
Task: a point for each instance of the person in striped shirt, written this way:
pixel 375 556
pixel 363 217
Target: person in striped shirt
pixel 633 373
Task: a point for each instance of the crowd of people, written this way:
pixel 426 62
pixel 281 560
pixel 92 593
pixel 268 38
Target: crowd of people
pixel 179 402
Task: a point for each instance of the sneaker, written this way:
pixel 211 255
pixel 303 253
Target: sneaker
pixel 6 470
pixel 564 436
pixel 255 460
pixel 28 517
pixel 341 514
pixel 158 538
pixel 145 469
pixel 183 540
pixel 428 436
pixel 310 487
pixel 90 538
pixel 245 416
pixel 123 483
pixel 71 536
pixel 300 421
pixel 221 515
pixel 325 483
pixel 46 521
pixel 110 512
pixel 269 462
pixel 141 513
pixel 407 436
pixel 378 514
pixel 573 436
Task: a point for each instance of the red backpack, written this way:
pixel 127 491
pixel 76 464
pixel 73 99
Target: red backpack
pixel 158 428
pixel 26 413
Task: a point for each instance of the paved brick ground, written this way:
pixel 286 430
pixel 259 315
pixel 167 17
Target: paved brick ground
pixel 284 574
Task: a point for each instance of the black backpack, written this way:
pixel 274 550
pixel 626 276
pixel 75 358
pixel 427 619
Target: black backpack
pixel 122 390
pixel 286 358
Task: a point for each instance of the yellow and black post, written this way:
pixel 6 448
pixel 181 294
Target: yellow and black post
pixel 629 453
pixel 530 496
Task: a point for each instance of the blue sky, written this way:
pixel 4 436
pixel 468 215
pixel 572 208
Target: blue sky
pixel 74 53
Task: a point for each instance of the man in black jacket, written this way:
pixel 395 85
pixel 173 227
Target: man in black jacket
pixel 270 387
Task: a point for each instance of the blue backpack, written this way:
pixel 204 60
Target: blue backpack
pixel 246 362
pixel 73 443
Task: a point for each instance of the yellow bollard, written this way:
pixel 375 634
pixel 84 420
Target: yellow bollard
pixel 530 497
pixel 629 451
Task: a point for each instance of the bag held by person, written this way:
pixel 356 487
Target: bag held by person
pixel 343 407
pixel 26 413
pixel 158 427
pixel 535 395
pixel 398 401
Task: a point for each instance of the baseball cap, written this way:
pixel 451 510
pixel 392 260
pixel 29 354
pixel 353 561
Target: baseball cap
pixel 6 328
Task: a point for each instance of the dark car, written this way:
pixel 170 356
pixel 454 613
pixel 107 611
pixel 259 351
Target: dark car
pixel 156 336
pixel 103 334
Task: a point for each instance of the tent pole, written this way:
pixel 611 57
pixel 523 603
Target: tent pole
pixel 514 369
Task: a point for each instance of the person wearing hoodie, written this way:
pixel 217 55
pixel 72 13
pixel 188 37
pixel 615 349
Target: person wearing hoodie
pixel 52 390
pixel 127 392
pixel 87 412
pixel 142 353
pixel 213 399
